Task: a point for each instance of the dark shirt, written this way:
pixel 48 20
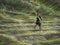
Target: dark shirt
pixel 37 19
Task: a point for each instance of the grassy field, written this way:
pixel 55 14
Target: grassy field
pixel 17 21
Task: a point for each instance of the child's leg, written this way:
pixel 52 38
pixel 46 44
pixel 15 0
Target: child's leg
pixel 40 26
pixel 35 26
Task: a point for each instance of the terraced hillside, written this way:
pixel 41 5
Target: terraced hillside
pixel 17 21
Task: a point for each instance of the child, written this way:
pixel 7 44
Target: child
pixel 38 22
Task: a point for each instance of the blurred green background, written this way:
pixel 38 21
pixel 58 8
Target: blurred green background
pixel 17 21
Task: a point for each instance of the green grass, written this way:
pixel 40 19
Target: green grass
pixel 8 40
pixel 17 23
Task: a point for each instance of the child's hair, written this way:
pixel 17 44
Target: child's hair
pixel 38 11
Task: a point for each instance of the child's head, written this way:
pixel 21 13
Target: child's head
pixel 39 13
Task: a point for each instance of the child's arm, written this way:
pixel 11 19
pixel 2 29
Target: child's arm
pixel 40 17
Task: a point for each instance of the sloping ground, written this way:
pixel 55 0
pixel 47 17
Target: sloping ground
pixel 17 27
pixel 8 40
pixel 25 33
